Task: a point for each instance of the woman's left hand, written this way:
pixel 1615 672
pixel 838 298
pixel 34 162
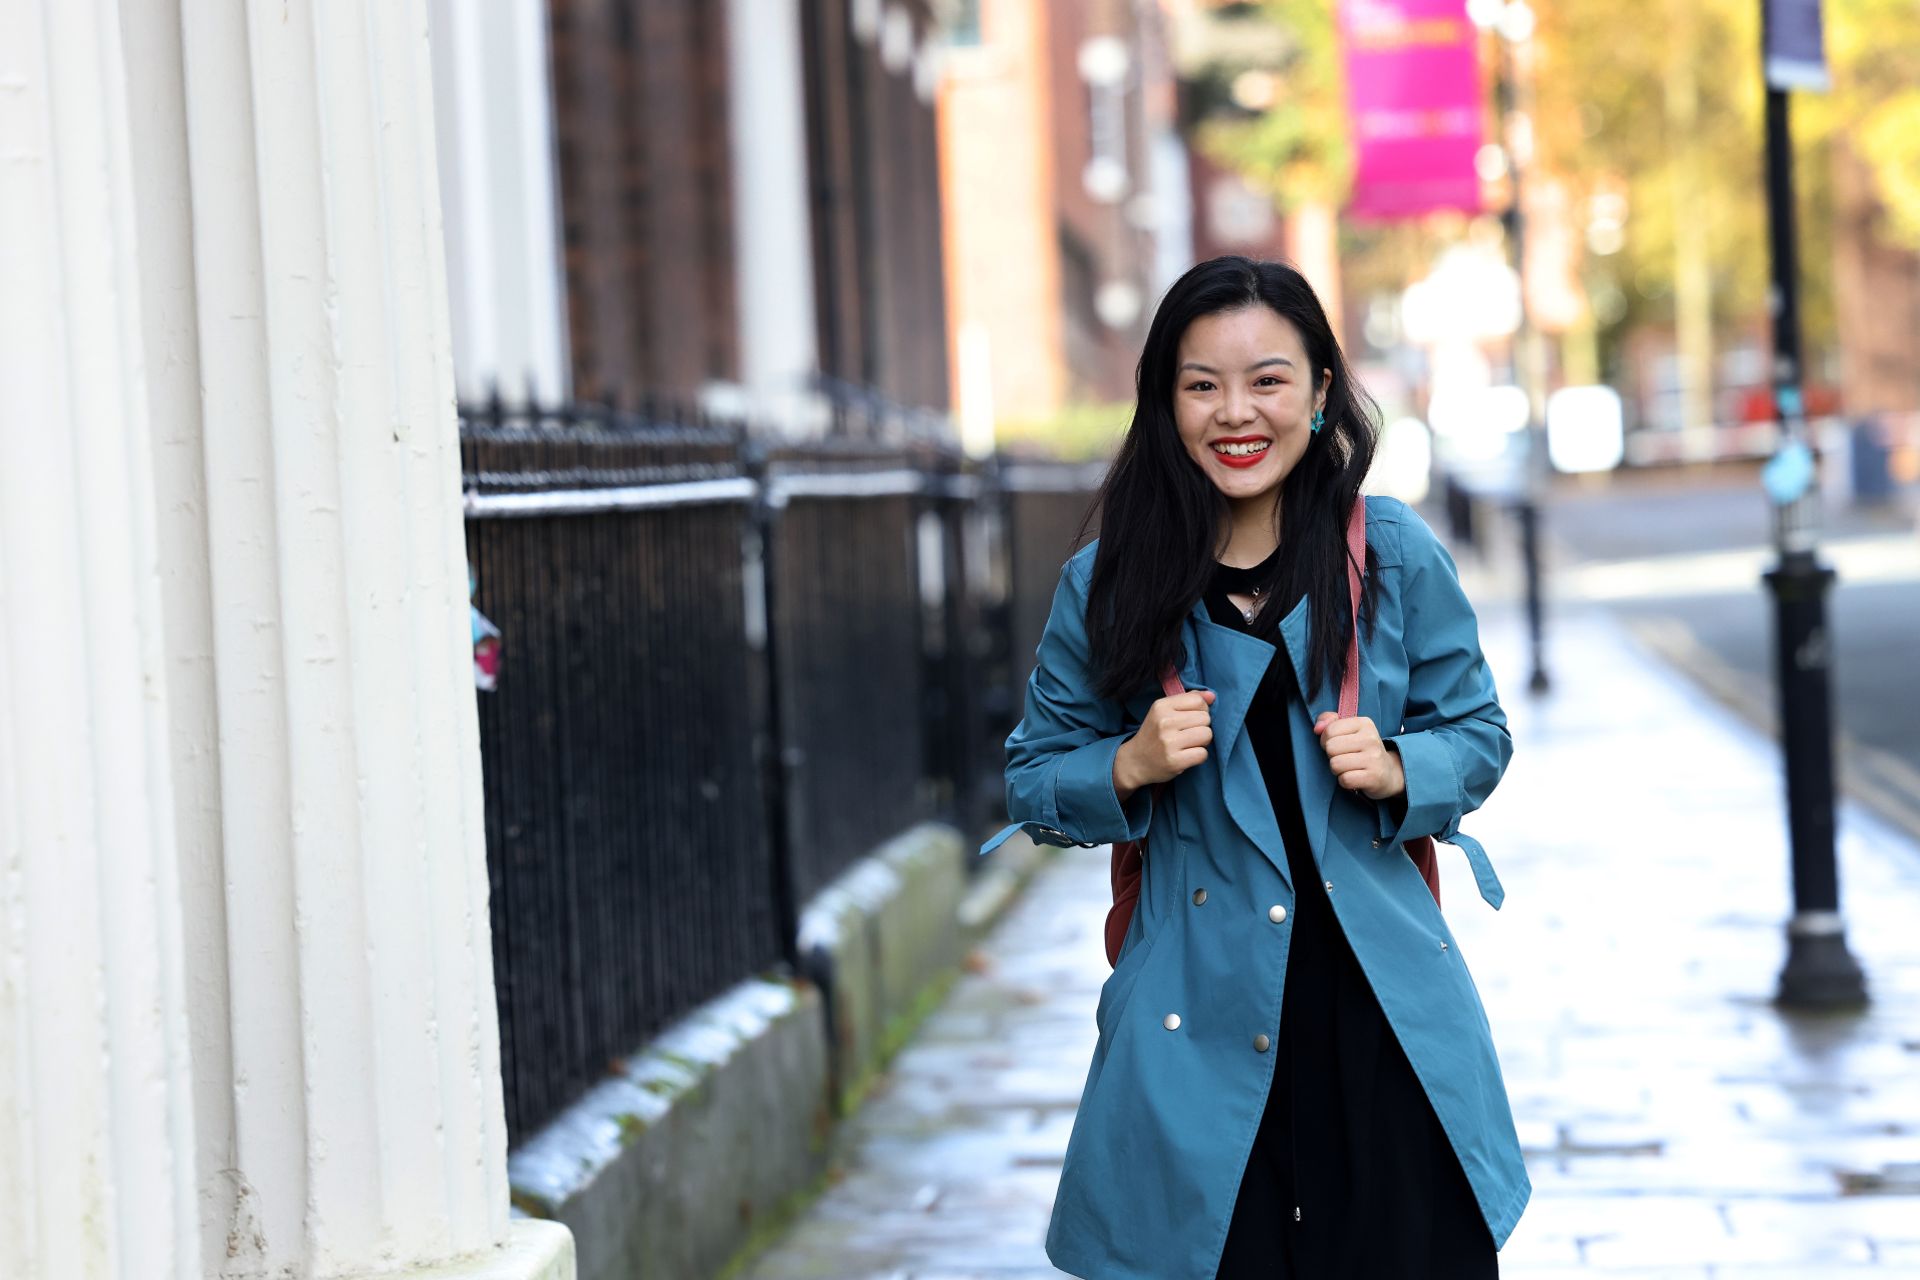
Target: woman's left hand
pixel 1361 761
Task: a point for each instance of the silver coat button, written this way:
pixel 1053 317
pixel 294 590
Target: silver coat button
pixel 1277 914
pixel 1443 946
pixel 1261 1044
pixel 1376 842
pixel 1296 1213
pixel 1171 1022
pixel 1329 886
pixel 1199 896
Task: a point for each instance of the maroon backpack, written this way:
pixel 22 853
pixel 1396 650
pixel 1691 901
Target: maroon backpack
pixel 1127 853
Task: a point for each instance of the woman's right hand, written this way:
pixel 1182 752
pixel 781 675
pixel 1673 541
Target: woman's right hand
pixel 1171 740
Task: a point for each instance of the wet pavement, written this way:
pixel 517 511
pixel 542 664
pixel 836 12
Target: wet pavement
pixel 1676 1124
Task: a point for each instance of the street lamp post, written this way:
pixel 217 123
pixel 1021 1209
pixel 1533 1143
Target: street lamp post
pixel 1820 972
pixel 1512 23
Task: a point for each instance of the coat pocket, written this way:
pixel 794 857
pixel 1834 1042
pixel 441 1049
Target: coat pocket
pixel 1120 983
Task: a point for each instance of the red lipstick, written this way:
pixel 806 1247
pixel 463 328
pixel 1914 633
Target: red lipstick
pixel 1240 461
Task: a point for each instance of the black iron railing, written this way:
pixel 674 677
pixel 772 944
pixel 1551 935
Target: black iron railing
pixel 729 671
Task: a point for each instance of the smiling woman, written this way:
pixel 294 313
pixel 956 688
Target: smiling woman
pixel 1240 373
pixel 1247 399
pixel 1294 1076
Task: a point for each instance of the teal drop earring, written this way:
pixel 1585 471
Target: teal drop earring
pixel 1319 420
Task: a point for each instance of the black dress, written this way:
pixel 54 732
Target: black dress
pixel 1351 1176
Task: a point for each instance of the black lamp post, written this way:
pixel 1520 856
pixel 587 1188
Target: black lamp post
pixel 1820 971
pixel 1512 23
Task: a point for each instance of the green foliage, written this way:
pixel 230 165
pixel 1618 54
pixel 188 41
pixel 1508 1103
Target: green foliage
pixel 1078 433
pixel 1297 148
pixel 1604 87
pixel 1607 81
pixel 1655 102
pixel 1889 140
pixel 1873 47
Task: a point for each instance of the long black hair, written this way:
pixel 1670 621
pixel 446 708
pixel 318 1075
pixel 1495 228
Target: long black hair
pixel 1161 518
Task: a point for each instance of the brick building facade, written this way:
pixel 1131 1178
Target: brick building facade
pixel 641 121
pixel 873 155
pixel 649 137
pixel 1062 220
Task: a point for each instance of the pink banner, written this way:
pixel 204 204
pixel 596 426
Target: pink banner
pixel 1413 93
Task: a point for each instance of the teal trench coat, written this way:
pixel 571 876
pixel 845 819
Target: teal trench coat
pixel 1176 1087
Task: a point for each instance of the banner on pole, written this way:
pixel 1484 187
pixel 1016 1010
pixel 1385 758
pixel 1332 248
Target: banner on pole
pixel 1796 51
pixel 1413 95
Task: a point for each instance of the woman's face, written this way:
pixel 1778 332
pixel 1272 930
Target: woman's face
pixel 1244 399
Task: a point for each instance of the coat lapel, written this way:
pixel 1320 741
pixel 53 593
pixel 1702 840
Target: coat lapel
pixel 1309 757
pixel 1232 664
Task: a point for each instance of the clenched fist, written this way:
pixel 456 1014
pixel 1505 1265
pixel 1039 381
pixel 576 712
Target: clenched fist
pixel 1171 740
pixel 1361 761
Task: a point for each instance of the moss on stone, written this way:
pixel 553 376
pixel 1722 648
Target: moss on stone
pixel 532 1205
pixel 895 1036
pixel 770 1226
pixel 631 1127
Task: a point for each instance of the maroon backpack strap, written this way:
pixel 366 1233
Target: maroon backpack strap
pixel 1127 862
pixel 1356 558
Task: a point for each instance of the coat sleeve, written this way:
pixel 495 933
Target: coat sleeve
pixel 1453 743
pixel 1060 755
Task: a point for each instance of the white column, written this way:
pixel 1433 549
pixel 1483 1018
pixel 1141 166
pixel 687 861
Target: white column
pixel 96 1120
pixel 233 641
pixel 500 191
pixel 773 238
pixel 363 1130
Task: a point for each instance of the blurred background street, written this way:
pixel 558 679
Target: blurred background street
pixel 524 526
pixel 1677 559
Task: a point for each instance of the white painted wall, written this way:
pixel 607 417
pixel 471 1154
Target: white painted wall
pixel 773 236
pixel 1173 208
pixel 500 197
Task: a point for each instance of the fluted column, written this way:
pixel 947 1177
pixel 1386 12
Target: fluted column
pixel 362 1131
pixel 96 1121
pixel 246 990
